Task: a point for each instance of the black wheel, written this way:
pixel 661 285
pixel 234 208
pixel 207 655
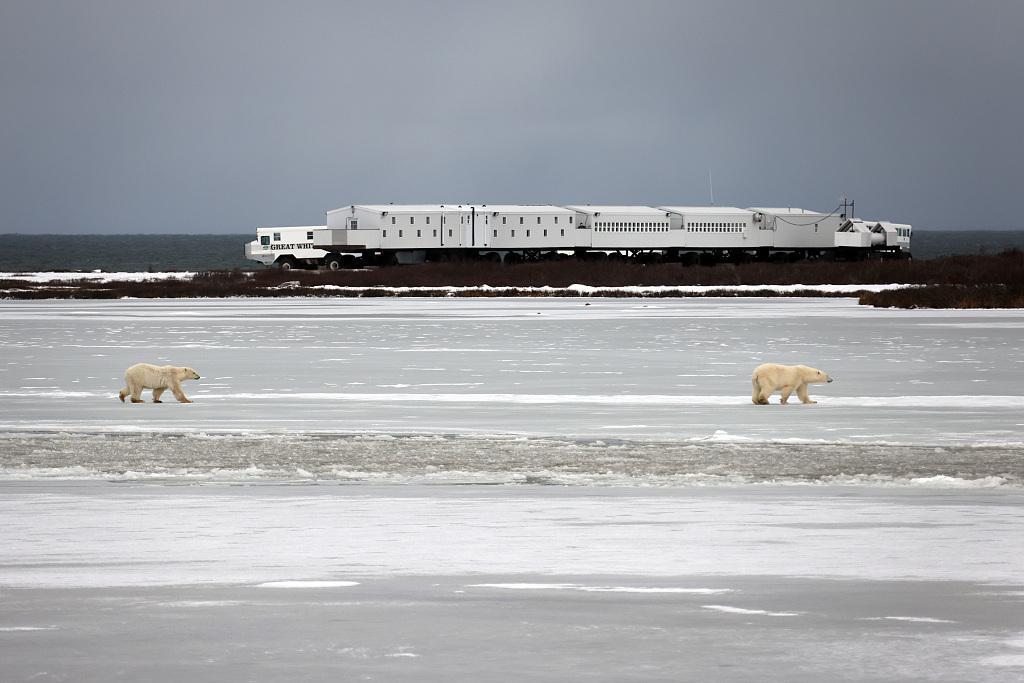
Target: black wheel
pixel 332 262
pixel 287 263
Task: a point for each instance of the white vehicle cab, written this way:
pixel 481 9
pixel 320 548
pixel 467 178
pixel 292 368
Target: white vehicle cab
pixel 286 248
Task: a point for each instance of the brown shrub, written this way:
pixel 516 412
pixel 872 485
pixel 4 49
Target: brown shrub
pixel 955 273
pixel 948 296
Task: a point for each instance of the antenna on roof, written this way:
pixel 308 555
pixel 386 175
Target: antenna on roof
pixel 711 188
pixel 845 204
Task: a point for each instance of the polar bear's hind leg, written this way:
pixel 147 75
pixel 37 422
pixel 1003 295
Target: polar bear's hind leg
pixel 762 391
pixel 786 391
pixel 157 393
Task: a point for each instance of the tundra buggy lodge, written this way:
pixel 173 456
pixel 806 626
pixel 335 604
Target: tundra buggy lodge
pixel 371 234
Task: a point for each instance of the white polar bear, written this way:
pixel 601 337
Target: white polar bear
pixel 770 377
pixel 159 378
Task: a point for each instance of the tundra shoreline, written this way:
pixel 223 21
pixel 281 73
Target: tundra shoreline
pixel 981 281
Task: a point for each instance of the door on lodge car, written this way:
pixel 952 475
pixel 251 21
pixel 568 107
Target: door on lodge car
pixel 471 227
pixel 451 229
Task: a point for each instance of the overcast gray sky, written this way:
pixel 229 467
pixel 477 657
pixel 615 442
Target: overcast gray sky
pixel 219 116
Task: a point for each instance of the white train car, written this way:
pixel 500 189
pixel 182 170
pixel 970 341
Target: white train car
pixel 714 228
pixel 623 228
pixel 527 231
pixel 800 232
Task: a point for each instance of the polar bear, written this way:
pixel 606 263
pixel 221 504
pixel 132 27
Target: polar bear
pixel 770 377
pixel 159 378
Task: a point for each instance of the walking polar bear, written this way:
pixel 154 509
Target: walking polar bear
pixel 159 378
pixel 771 377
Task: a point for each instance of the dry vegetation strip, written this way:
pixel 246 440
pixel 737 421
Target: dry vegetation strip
pixel 952 282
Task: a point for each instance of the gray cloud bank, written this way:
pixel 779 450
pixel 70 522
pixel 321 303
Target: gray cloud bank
pixel 220 116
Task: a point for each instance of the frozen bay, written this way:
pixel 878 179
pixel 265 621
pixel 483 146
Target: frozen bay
pixel 647 369
pixel 486 489
pixel 102 581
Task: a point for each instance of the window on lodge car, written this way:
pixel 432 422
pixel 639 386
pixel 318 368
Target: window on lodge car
pixel 277 237
pixel 264 240
pixel 385 233
pixel 495 233
pixel 556 220
pixel 545 232
pixel 435 233
pixel 418 233
pixel 527 233
pixel 309 234
pixel 392 220
pixel 520 220
pixel 504 220
pixel 428 220
pixel 412 220
pixel 563 232
pixel 399 233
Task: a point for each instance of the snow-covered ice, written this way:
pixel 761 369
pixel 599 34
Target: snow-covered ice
pixel 606 368
pixel 441 489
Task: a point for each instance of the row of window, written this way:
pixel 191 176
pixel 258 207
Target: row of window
pixel 903 232
pixel 717 225
pixel 353 223
pixel 618 225
pixel 512 233
pixel 277 237
pixel 419 233
pixel 694 228
pixel 630 229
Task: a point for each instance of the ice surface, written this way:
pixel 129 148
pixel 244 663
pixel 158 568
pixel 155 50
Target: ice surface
pixel 605 368
pixel 100 534
pixel 740 610
pixel 601 589
pixel 456 489
pixel 307 584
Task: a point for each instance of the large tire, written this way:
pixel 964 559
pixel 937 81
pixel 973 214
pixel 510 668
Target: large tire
pixel 333 262
pixel 287 263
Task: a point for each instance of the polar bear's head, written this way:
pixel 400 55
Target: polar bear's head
pixel 188 373
pixel 813 375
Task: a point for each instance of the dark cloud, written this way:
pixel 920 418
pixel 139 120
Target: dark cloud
pixel 221 116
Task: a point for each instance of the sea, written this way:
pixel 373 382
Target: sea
pixel 181 252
